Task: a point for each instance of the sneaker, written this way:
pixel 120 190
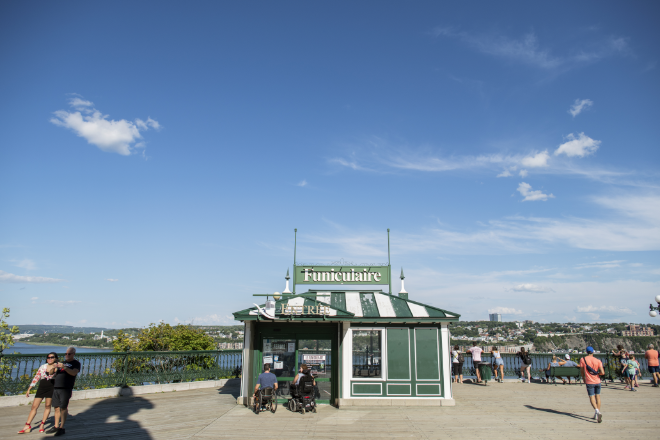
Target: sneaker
pixel 60 431
pixel 52 430
pixel 596 415
pixel 600 418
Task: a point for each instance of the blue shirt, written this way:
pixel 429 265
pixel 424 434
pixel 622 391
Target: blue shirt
pixel 267 380
pixel 570 363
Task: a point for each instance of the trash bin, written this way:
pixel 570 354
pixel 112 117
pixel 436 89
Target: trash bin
pixel 485 372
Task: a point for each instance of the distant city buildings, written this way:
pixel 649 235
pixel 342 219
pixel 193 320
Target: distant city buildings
pixel 495 317
pixel 637 330
pixel 230 345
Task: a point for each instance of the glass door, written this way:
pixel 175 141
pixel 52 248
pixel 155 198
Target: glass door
pixel 287 353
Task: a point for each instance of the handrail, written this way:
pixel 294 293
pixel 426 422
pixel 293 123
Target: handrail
pixel 118 369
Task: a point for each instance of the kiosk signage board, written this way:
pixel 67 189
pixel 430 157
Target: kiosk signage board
pixel 342 275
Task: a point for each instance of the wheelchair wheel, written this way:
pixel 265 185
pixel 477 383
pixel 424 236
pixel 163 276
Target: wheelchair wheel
pixel 273 404
pixel 257 402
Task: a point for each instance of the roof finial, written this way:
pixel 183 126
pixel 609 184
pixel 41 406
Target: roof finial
pixel 403 294
pixel 287 278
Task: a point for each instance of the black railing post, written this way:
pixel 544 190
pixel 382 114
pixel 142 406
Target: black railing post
pixel 123 381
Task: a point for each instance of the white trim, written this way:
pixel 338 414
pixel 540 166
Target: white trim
pixel 399 384
pixel 445 341
pixel 404 397
pixel 439 389
pixel 366 394
pixel 437 338
pixel 418 311
pixel 324 297
pixel 347 359
pixel 385 308
pixel 409 355
pixel 383 355
pixel 353 303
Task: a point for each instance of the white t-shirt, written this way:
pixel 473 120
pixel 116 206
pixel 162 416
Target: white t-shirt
pixel 454 357
pixel 476 354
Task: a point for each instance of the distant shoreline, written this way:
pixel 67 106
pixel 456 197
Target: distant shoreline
pixel 67 345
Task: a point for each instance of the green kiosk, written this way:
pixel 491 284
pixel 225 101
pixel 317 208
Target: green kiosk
pixel 365 347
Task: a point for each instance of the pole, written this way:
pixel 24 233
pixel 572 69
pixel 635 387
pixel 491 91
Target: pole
pixel 295 241
pixel 389 264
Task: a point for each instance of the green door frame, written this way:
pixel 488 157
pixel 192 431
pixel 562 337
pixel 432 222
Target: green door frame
pixel 297 332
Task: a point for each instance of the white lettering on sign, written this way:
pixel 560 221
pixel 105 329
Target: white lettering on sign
pixel 341 277
pixel 305 310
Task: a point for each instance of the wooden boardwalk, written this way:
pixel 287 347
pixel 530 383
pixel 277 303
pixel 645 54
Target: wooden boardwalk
pixel 496 411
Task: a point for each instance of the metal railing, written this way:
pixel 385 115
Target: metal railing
pixel 540 361
pixel 117 369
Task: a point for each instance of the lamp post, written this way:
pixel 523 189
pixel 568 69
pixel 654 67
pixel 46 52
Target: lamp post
pixel 654 310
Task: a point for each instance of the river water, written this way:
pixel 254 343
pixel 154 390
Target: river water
pixel 25 348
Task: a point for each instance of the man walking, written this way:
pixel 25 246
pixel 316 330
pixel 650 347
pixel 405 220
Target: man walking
pixel 591 370
pixel 651 356
pixel 64 381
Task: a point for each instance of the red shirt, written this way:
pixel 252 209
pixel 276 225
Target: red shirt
pixel 593 363
pixel 652 356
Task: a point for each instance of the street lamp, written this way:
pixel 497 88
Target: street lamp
pixel 653 313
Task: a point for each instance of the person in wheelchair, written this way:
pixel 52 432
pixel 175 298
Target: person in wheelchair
pixel 266 387
pixel 303 391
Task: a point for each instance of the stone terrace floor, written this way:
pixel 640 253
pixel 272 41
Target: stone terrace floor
pixel 496 411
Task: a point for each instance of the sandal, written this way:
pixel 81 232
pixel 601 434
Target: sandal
pixel 42 427
pixel 27 428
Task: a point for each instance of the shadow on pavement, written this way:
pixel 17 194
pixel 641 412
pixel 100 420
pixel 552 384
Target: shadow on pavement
pixel 109 419
pixel 561 413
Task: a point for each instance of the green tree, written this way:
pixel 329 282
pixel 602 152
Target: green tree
pixel 164 337
pixel 6 333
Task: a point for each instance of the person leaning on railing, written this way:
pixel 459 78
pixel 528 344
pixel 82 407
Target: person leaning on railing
pixel 457 364
pixel 476 358
pixel 526 364
pixel 44 377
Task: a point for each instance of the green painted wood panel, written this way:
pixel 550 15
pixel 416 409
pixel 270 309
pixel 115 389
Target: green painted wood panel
pixel 428 389
pixel 394 389
pixel 337 299
pixel 398 353
pixel 373 389
pixel 400 307
pixel 369 307
pixel 435 313
pixel 426 347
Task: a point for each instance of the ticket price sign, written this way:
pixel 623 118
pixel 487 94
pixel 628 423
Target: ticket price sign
pixel 315 362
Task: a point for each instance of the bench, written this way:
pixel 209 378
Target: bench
pixel 565 372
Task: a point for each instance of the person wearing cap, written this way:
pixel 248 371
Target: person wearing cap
pixel 591 369
pixel 567 363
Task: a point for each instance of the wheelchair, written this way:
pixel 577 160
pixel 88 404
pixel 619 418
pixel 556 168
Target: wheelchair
pixel 303 396
pixel 265 400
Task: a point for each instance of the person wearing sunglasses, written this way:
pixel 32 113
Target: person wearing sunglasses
pixel 64 382
pixel 44 377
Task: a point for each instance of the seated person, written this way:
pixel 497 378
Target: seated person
pixel 548 370
pixel 567 363
pixel 266 380
pixel 305 372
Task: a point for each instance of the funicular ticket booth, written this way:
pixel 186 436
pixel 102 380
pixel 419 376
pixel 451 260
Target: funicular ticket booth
pixel 365 347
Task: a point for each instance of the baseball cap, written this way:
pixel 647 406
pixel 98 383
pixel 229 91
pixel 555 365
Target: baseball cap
pixel 590 349
pixel 568 356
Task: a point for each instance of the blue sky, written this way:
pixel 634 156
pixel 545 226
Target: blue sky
pixel 155 157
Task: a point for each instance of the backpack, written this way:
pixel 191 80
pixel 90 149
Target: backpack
pixel 461 359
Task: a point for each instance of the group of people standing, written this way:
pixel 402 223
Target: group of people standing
pixel 56 380
pixel 630 368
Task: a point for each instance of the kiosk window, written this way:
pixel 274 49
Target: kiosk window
pixel 367 353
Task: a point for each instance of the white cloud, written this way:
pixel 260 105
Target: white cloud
pixel 579 105
pixel 580 146
pixel 25 263
pixel 525 189
pixel 112 136
pixel 505 311
pixel 6 277
pixel 505 173
pixel 601 264
pixel 302 183
pixel 537 160
pixel 112 280
pixel 527 50
pixel 531 288
pixel 59 303
pixel 596 313
pixel 523 173
pixel 34 299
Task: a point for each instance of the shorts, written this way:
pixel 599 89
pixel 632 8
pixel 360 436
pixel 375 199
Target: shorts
pixel 654 369
pixel 547 373
pixel 457 368
pixel 526 365
pixel 630 375
pixel 593 389
pixel 498 362
pixel 61 397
